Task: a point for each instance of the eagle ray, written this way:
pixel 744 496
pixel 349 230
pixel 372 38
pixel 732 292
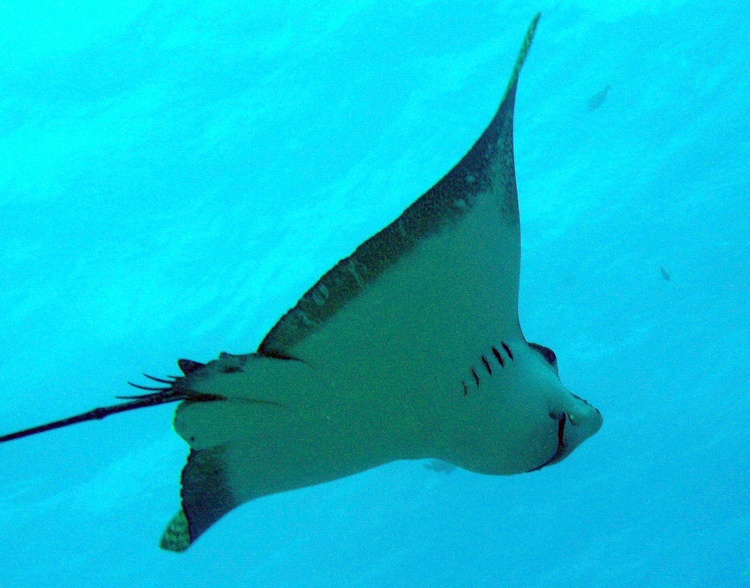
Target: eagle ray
pixel 410 348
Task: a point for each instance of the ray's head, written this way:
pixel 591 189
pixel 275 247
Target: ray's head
pixel 576 420
pixel 530 420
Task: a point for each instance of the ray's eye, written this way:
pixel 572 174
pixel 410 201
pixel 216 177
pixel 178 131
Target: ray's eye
pixel 546 352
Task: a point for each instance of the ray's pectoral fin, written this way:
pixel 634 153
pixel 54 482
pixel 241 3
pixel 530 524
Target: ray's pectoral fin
pixel 234 441
pixel 206 498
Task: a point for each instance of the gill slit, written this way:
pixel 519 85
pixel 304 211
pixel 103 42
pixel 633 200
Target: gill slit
pixel 488 366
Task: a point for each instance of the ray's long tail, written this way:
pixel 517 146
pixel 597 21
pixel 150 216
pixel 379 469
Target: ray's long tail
pixel 170 392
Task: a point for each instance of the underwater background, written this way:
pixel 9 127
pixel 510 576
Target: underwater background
pixel 174 175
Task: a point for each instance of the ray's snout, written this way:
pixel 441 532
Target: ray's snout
pixel 576 423
pixel 583 421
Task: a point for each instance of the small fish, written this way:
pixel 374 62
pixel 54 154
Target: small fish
pixel 598 99
pixel 664 274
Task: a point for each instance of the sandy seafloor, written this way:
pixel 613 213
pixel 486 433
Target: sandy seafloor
pixel 174 175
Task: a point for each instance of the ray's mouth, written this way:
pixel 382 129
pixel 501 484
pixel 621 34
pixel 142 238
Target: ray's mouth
pixel 560 451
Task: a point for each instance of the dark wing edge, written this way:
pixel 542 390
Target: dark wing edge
pixel 489 165
pixel 206 498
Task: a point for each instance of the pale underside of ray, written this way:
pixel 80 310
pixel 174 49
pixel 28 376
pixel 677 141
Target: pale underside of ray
pixel 379 339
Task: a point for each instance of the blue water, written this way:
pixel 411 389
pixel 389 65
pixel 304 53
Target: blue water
pixel 173 176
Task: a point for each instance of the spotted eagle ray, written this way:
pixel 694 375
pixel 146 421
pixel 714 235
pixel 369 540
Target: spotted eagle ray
pixel 410 348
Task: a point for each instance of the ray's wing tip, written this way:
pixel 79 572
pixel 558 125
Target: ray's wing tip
pixel 525 46
pixel 177 534
pixel 530 33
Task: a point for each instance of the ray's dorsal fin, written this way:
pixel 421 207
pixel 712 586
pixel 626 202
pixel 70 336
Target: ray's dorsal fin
pixel 487 167
pixel 188 366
